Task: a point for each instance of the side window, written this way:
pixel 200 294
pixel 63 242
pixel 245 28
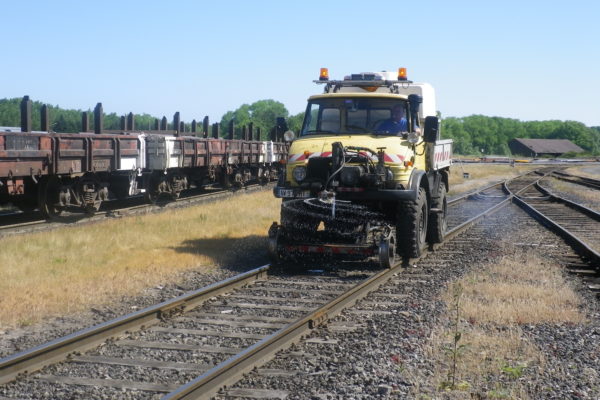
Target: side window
pixel 312 118
pixel 330 119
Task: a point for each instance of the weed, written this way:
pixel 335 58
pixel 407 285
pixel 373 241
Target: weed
pixel 455 349
pixel 396 359
pixel 500 393
pixel 513 372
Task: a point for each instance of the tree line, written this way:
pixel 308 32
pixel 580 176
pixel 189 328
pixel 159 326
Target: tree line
pixel 62 120
pixel 262 114
pixel 480 134
pixel 473 135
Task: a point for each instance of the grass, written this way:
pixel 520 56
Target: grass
pixel 495 302
pixel 68 270
pixel 481 175
pixel 581 171
pixel 587 196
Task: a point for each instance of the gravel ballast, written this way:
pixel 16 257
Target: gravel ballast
pixel 385 355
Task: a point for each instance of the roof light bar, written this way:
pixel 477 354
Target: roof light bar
pixel 402 74
pixel 324 74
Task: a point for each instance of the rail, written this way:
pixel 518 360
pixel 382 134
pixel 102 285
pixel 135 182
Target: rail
pixel 58 349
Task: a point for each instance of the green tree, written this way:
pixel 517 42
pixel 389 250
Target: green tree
pixel 295 122
pixel 262 114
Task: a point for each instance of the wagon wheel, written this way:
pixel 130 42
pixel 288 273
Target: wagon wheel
pixel 387 251
pixel 48 196
pixel 153 190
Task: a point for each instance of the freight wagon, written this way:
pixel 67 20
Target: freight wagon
pixel 58 171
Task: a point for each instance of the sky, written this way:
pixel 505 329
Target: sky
pixel 529 60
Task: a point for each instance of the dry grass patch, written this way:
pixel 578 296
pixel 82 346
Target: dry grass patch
pixel 481 175
pixel 68 270
pixel 521 289
pixel 587 196
pixel 489 364
pixel 581 171
pixel 485 311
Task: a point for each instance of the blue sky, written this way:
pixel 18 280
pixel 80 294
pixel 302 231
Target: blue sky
pixel 530 60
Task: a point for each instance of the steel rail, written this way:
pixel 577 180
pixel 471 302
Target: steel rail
pixel 579 180
pixel 576 242
pixel 465 196
pixel 231 370
pixel 583 209
pixel 58 349
pixel 477 192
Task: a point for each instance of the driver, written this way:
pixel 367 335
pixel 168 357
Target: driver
pixel 397 123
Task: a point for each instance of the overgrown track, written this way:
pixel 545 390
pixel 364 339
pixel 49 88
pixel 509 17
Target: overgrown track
pixel 18 223
pixel 580 180
pixel 193 345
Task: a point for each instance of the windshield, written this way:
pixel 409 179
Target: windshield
pixel 355 116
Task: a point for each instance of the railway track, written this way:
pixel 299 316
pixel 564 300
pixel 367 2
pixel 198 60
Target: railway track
pixel 580 180
pixel 18 223
pixel 577 224
pixel 193 345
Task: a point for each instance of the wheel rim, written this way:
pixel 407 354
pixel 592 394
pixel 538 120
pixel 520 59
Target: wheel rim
pixel 444 221
pixel 423 224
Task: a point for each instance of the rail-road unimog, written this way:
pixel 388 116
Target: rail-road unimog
pixel 367 175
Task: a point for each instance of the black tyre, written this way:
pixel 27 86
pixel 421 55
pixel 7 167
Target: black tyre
pixel 438 225
pixel 411 226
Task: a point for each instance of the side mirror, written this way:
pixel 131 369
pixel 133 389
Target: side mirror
pixel 432 129
pixel 414 100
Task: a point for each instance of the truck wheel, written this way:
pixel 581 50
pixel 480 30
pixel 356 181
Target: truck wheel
pixel 411 226
pixel 438 225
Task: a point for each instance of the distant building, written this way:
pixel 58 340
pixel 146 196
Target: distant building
pixel 542 147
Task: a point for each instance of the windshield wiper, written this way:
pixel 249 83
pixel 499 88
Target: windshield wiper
pixel 318 132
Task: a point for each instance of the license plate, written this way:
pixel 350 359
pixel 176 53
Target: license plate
pixel 286 192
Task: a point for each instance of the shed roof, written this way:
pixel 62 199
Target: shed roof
pixel 553 146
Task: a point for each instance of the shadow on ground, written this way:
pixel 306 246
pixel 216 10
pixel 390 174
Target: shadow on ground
pixel 242 254
pixel 238 254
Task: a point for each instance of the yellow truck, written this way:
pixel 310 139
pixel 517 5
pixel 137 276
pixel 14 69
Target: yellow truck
pixel 367 175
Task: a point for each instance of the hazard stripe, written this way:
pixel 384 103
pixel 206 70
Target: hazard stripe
pixel 393 158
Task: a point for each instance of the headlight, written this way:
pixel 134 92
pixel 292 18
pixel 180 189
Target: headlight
pixel 288 136
pixel 299 173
